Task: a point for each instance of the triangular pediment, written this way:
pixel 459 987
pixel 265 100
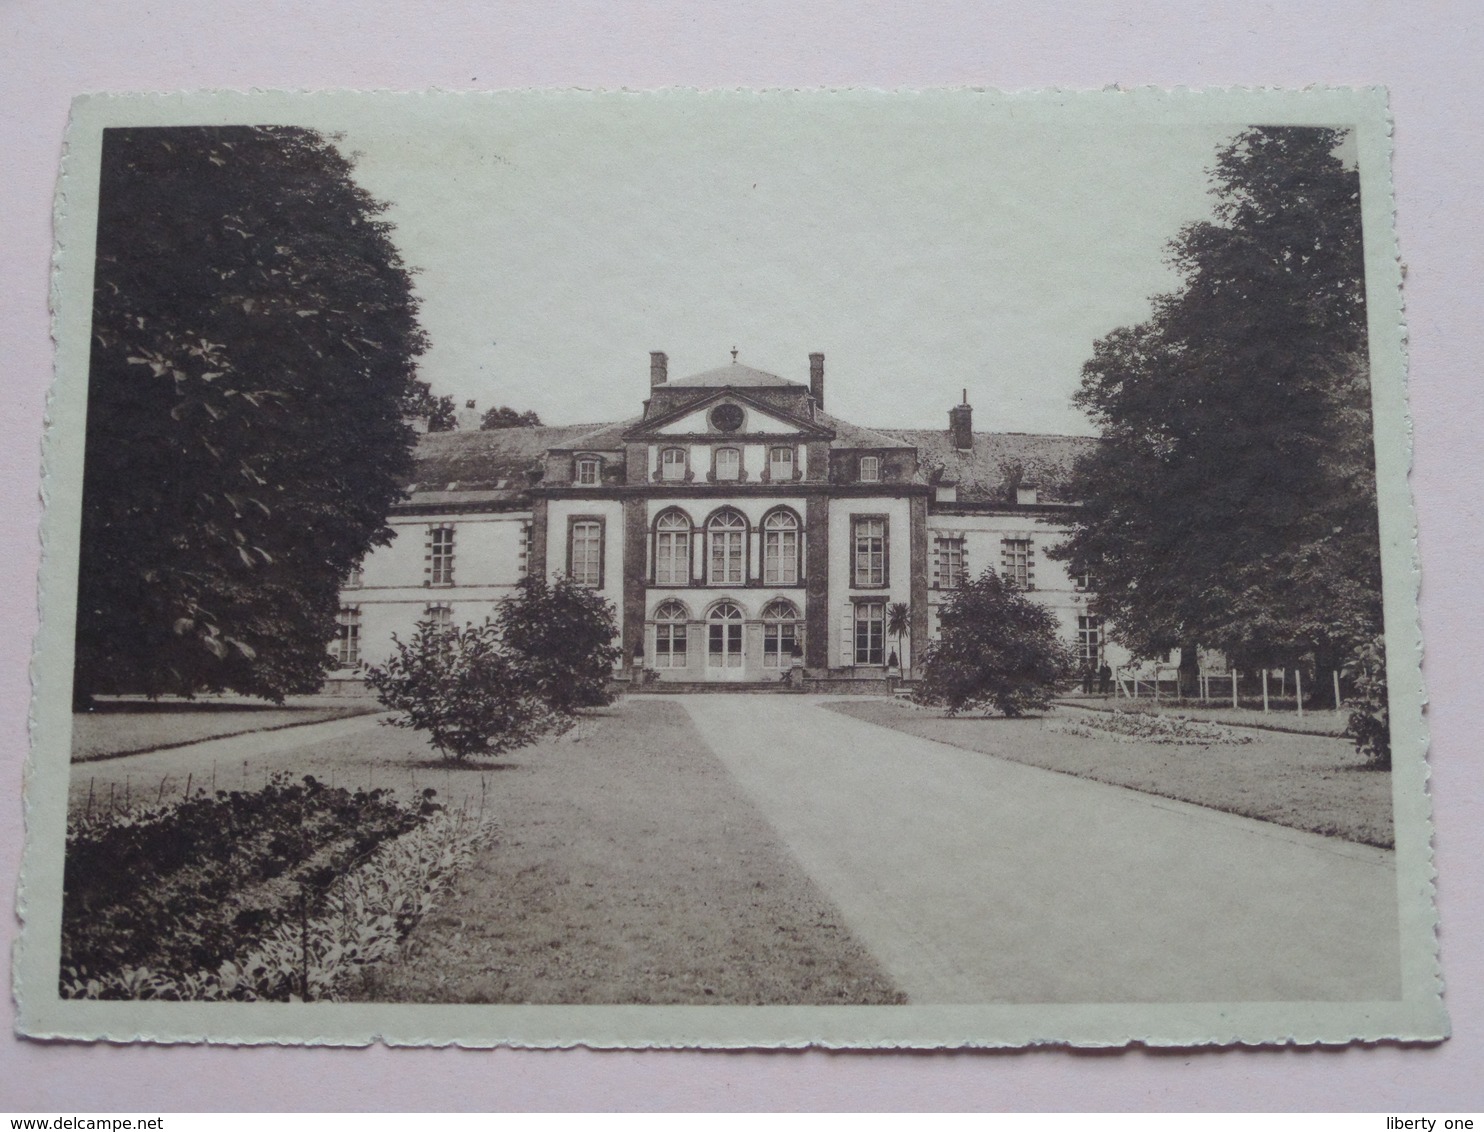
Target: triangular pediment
pixel 728 413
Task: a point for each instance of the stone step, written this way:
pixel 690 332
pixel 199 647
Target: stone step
pixel 672 687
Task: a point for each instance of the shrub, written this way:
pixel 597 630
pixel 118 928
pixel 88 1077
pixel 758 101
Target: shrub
pixel 998 650
pixel 463 688
pixel 561 639
pixel 1370 714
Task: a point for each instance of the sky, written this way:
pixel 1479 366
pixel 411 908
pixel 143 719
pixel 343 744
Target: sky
pixel 925 245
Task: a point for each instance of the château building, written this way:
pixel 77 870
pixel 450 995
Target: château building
pixel 742 532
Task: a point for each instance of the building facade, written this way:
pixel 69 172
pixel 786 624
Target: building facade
pixel 743 534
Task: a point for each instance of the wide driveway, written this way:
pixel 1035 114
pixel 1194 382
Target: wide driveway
pixel 975 879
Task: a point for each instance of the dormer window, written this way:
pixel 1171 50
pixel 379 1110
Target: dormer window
pixel 870 469
pixel 728 465
pixel 672 464
pixel 589 471
pixel 780 464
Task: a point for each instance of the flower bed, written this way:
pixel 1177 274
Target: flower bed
pixel 1148 727
pixel 198 899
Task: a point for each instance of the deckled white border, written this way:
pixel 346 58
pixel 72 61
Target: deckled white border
pixel 1418 1016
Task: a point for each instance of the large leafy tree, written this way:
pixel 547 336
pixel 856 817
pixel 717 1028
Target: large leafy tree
pixel 253 353
pixel 1232 502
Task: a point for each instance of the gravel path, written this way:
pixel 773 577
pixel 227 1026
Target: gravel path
pixel 976 879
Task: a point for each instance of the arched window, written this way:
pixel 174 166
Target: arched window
pixel 727 555
pixel 780 633
pixel 724 636
pixel 670 621
pixel 672 464
pixel 727 464
pixel 672 549
pixel 781 549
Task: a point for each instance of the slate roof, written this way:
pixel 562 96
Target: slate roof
pixel 735 374
pixel 491 466
pixel 495 467
pixel 849 435
pixel 984 474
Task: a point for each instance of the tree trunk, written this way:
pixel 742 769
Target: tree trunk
pixel 1190 669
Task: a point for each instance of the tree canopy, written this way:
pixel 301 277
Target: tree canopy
pixel 253 351
pixel 1232 503
pixel 504 416
pixel 998 650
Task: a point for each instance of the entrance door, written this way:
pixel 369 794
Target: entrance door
pixel 724 643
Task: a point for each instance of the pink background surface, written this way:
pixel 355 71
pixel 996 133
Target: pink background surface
pixel 1427 51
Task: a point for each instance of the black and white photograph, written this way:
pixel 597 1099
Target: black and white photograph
pixel 753 569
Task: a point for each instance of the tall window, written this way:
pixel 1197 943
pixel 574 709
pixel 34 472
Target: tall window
pixel 672 464
pixel 672 549
pixel 870 551
pixel 728 465
pixel 870 632
pixel 950 564
pixel 870 469
pixel 348 637
pixel 780 633
pixel 585 555
pixel 589 471
pixel 669 635
pixel 440 555
pixel 724 637
pixel 781 549
pixel 354 577
pixel 1090 639
pixel 1016 563
pixel 727 532
pixel 780 464
pixel 1082 577
pixel 440 616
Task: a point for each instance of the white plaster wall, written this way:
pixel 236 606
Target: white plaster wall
pixel 392 597
pixel 611 512
pixel 841 558
pixel 1054 586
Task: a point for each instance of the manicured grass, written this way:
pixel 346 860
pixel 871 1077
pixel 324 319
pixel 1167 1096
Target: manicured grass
pixel 1308 782
pixel 630 868
pixel 124 726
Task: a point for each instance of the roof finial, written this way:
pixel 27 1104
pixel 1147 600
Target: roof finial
pixel 734 355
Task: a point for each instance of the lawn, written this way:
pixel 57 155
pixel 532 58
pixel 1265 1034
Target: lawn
pixel 1309 782
pixel 630 868
pixel 126 726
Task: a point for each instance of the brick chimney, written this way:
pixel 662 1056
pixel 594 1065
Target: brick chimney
pixel 659 366
pixel 816 379
pixel 961 424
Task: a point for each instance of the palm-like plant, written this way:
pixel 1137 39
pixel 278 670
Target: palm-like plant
pixel 898 624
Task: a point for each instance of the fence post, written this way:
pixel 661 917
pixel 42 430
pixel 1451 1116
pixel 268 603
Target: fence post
pixel 1298 689
pixel 1336 675
pixel 1265 691
pixel 1234 687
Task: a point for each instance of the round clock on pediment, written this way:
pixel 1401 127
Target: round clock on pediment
pixel 726 418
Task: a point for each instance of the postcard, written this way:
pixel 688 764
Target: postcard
pixel 848 568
